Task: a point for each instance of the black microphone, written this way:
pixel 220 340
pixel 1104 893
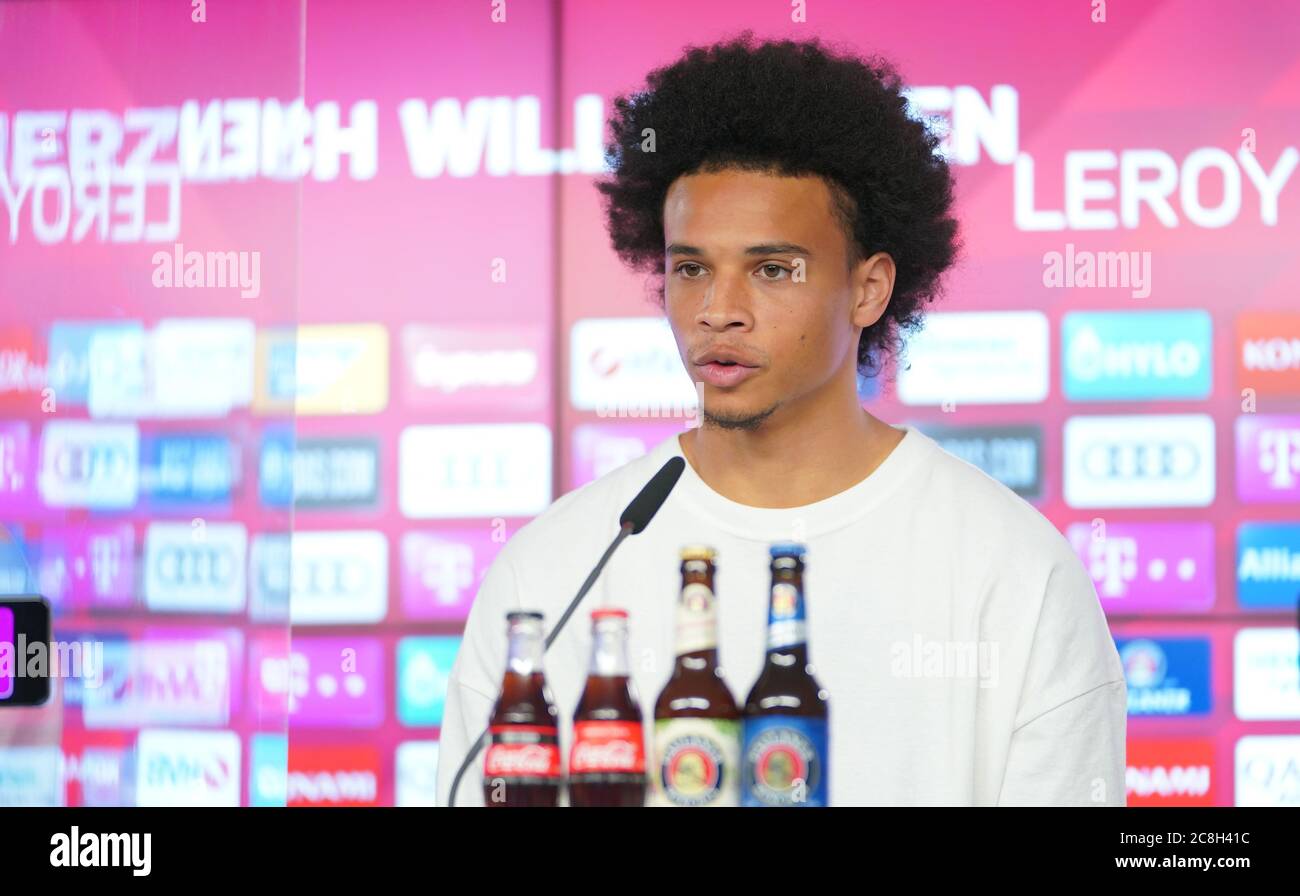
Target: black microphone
pixel 642 509
pixel 635 517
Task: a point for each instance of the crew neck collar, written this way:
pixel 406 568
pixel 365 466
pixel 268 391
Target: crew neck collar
pixel 786 523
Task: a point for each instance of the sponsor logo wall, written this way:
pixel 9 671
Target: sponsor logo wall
pixel 273 506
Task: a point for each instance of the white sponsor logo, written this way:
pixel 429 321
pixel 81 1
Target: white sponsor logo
pixel 1268 771
pixel 195 569
pixel 93 465
pixel 29 776
pixel 187 768
pixel 1139 461
pixel 474 470
pixel 628 367
pixel 977 357
pixel 338 577
pixel 1266 676
pixel 450 371
pixel 191 367
pixel 417 773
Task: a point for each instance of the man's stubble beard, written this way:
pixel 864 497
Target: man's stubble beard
pixel 738 422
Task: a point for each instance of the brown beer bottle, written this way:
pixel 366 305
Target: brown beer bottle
pixel 697 724
pixel 607 763
pixel 787 712
pixel 522 765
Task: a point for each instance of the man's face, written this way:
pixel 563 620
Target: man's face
pixel 757 290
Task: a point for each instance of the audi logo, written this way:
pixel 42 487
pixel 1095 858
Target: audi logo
pixel 195 564
pixel 90 461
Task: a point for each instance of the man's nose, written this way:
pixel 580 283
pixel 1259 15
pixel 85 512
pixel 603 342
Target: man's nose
pixel 726 304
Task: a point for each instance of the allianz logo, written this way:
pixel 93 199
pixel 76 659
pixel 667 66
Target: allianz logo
pixel 1091 358
pixel 1269 564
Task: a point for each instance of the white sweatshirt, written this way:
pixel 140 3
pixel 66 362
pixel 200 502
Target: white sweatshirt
pixel 959 637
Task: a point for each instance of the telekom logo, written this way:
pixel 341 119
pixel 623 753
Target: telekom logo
pixel 1279 456
pixel 1113 563
pixel 447 570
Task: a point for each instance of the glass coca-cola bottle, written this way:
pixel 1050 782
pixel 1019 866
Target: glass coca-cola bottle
pixel 522 765
pixel 607 763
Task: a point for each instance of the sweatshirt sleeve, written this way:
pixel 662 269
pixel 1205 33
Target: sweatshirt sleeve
pixel 1072 755
pixel 1067 746
pixel 474 681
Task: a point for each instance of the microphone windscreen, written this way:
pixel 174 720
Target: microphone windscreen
pixel 641 509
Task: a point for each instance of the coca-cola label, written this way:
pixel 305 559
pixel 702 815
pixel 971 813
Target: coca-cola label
pixel 607 747
pixel 522 751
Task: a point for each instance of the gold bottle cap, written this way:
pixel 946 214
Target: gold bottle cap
pixel 698 552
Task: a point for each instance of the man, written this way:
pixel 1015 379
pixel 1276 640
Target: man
pixel 800 221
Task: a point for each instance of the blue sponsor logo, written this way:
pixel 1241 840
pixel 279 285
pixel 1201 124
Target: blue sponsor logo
pixel 1135 355
pixel 111 653
pixel 268 770
pixel 18 561
pixel 1268 565
pixel 69 356
pixel 423 667
pixel 191 470
pixel 317 473
pixel 275 467
pixel 1166 676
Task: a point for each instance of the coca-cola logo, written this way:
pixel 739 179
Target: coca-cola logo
pixel 607 756
pixel 522 759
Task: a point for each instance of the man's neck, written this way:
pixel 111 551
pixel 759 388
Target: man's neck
pixel 793 458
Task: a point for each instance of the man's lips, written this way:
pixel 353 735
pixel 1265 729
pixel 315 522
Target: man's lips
pixel 715 373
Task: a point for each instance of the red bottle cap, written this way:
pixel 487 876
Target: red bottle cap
pixel 609 613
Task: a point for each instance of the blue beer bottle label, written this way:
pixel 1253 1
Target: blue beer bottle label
pixel 785 762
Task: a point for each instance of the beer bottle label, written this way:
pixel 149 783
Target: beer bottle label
pixel 522 751
pixel 697 620
pixel 697 762
pixel 785 761
pixel 785 618
pixel 607 747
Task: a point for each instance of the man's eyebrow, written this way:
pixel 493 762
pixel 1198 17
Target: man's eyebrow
pixel 763 249
pixel 777 249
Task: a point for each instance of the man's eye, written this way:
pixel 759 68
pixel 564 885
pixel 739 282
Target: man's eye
pixel 689 274
pixel 773 271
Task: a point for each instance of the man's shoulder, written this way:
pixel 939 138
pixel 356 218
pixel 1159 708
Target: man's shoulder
pixel 982 504
pixel 588 515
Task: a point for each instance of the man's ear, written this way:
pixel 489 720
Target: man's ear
pixel 873 283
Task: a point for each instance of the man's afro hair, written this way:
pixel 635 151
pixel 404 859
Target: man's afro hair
pixel 790 108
